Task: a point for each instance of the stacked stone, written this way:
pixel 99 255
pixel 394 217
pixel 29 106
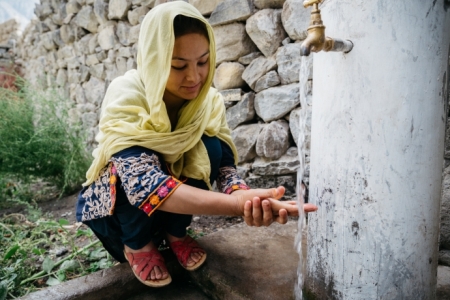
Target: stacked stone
pixel 9 33
pixel 444 239
pixel 82 45
pixel 266 85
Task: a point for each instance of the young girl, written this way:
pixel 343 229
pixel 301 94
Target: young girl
pixel 163 141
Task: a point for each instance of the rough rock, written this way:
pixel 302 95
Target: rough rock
pixel 101 9
pixel 61 77
pixel 445 211
pixel 92 60
pixel 289 62
pixel 98 70
pixel 121 65
pixel 244 137
pixel 123 33
pixel 96 88
pixel 90 119
pixel 276 102
pixel 125 52
pixel 135 14
pixel 229 76
pixel 289 163
pixel 247 59
pixel 231 94
pixel 86 19
pixel 257 68
pixel 67 34
pixel 270 181
pixel 242 112
pixel 269 80
pixel 118 9
pixel 72 7
pixel 266 30
pixel 47 40
pixel 205 7
pixel 300 126
pixel 261 4
pixel 273 140
pixel 447 140
pixel 232 42
pixel 231 11
pixel 59 15
pixel 107 37
pixel 444 257
pixel 147 3
pixel 43 10
pixel 295 19
pixel 73 76
pixel 134 34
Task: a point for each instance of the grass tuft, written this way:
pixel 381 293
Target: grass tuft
pixel 40 142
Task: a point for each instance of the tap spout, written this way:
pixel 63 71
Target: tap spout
pixel 316 40
pixel 316 32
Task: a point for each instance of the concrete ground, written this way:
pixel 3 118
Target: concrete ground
pixel 243 263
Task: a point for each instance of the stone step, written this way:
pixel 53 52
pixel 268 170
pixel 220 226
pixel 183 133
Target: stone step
pixel 243 263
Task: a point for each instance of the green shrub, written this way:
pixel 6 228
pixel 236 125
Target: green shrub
pixel 39 141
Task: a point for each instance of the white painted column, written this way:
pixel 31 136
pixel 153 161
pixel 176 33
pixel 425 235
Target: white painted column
pixel 377 148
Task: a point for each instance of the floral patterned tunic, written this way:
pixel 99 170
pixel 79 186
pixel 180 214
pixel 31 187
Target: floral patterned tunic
pixel 145 181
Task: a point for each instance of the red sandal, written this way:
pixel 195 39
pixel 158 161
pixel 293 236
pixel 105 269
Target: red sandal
pixel 183 250
pixel 145 262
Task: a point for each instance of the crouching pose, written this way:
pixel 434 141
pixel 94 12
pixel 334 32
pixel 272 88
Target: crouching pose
pixel 163 141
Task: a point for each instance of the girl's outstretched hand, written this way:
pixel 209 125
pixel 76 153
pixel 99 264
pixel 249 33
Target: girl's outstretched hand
pixel 261 207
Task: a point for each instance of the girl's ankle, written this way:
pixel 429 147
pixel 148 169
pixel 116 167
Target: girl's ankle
pixel 146 248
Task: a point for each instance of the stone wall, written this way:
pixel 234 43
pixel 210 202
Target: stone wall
pixel 82 45
pixel 9 34
pixel 444 239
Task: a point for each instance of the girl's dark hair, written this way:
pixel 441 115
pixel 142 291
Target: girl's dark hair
pixel 184 25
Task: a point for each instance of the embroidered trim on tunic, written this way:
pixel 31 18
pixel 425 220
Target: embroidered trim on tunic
pixel 229 180
pixel 96 197
pixel 145 185
pixel 159 195
pixel 112 187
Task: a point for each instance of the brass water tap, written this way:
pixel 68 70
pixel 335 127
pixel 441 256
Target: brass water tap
pixel 316 40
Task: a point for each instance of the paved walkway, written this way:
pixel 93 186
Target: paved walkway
pixel 243 263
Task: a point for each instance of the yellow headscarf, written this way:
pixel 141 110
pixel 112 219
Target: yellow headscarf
pixel 134 114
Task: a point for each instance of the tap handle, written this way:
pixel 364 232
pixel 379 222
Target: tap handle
pixel 307 3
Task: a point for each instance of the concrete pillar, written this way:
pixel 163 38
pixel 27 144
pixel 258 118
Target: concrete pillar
pixel 377 150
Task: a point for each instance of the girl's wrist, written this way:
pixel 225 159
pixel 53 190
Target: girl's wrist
pixel 238 204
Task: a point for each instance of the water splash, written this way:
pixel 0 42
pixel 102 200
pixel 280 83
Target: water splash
pixel 301 192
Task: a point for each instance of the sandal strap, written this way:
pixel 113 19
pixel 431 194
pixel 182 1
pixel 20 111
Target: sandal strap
pixel 145 262
pixel 183 249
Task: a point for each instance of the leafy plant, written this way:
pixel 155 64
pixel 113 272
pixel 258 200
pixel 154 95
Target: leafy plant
pixel 40 142
pixel 30 260
pixel 193 234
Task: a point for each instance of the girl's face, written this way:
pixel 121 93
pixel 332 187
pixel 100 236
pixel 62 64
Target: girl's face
pixel 189 68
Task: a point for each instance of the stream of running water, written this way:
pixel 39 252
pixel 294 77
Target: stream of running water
pixel 301 190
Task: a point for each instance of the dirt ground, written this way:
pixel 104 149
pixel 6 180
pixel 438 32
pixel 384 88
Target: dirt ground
pixel 64 208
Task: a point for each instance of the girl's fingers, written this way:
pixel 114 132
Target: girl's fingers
pixel 278 192
pixel 267 213
pixel 248 213
pixel 308 207
pixel 257 214
pixel 282 217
